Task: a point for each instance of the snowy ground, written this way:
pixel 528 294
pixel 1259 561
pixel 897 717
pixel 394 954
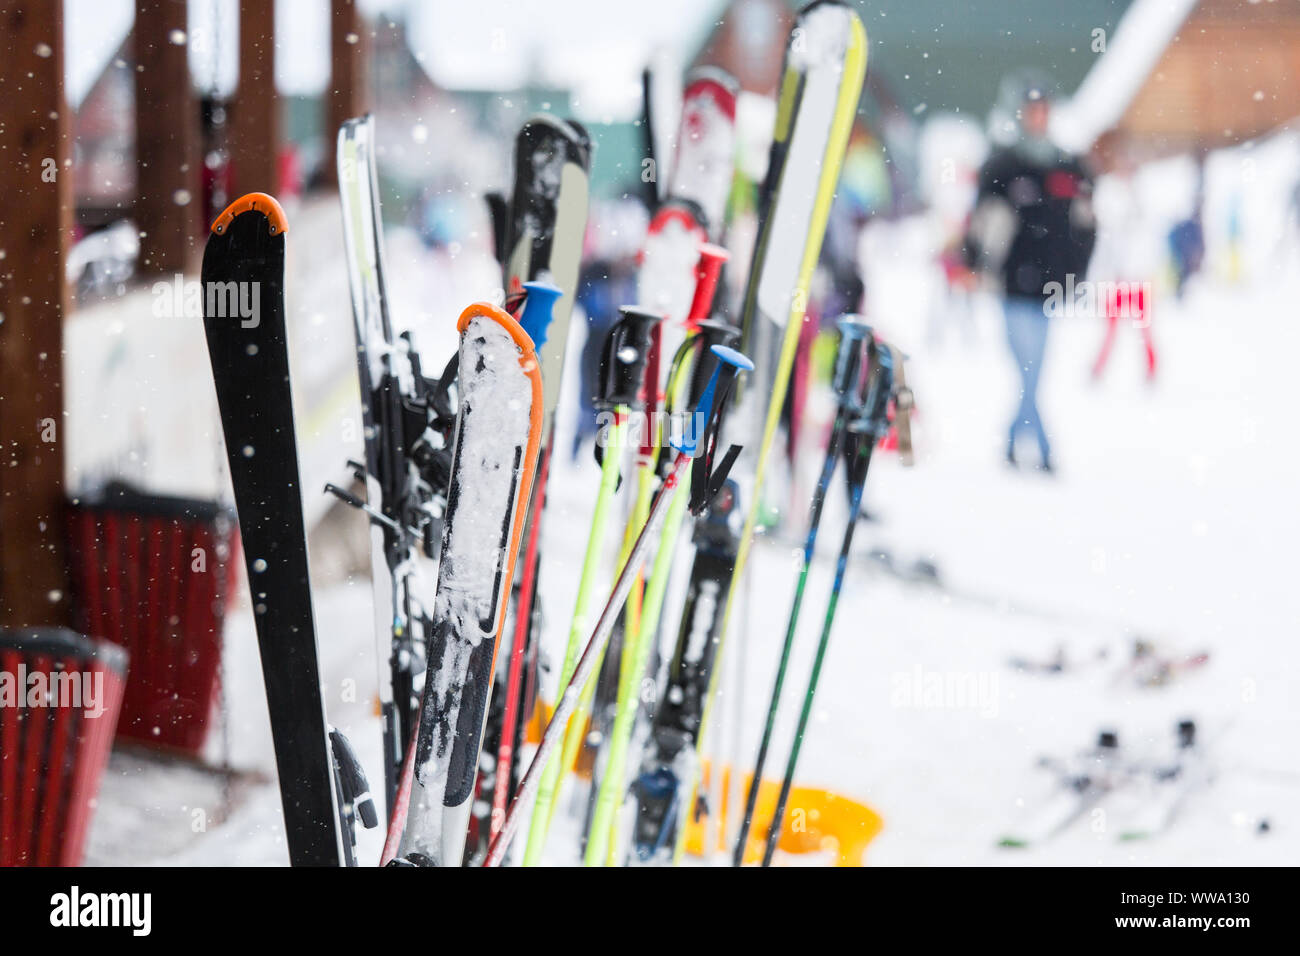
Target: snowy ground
pixel 1169 518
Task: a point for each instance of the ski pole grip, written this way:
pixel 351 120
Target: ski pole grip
pixel 707 271
pixel 709 332
pixel 854 330
pixel 622 367
pixel 538 310
pixel 694 435
pixel 873 417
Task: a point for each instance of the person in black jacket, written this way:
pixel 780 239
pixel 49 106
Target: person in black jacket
pixel 1031 228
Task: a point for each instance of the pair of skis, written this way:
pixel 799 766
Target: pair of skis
pixel 1156 791
pixel 407 422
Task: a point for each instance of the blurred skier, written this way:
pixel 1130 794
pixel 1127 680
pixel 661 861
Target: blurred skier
pixel 1032 225
pixel 1125 258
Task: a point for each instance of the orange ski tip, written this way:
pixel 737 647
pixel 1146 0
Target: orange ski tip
pixel 506 321
pixel 259 202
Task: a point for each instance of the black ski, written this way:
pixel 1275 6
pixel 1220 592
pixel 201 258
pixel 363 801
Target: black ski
pixel 243 316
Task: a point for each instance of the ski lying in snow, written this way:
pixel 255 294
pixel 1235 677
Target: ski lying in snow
pixel 497 437
pixel 1081 784
pixel 243 317
pixel 407 421
pixel 1166 786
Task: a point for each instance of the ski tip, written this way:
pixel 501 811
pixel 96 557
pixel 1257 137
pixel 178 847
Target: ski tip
pixel 253 202
pixel 505 320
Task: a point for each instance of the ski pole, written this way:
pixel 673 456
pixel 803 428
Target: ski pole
pixel 854 342
pixel 703 335
pixel 535 319
pixel 622 369
pixel 863 433
pixel 805 210
pixel 697 442
pixel 644 472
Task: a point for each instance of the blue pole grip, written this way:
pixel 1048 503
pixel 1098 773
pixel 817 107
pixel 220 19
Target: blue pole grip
pixel 537 314
pixel 729 363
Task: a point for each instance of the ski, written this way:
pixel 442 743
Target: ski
pixel 1080 785
pixel 669 766
pixel 542 242
pixel 406 421
pixel 495 449
pixel 1167 787
pixel 825 65
pixel 700 178
pixel 244 322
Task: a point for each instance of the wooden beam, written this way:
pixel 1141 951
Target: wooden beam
pixel 347 95
pixel 255 113
pixel 168 201
pixel 35 179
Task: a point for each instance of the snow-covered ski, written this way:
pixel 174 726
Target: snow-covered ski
pixel 497 438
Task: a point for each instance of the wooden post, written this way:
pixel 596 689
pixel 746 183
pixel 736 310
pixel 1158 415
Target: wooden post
pixel 168 202
pixel 35 181
pixel 346 96
pixel 255 113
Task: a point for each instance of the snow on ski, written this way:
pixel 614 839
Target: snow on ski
pixel 497 438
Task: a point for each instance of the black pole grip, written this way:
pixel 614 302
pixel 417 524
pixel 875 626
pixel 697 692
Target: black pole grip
pixel 623 361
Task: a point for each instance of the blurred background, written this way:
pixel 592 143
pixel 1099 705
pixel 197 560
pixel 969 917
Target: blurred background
pixel 1000 620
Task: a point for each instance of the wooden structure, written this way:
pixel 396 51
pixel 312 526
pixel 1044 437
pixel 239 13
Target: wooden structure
pixel 345 97
pixel 749 43
pixel 34 232
pixel 167 156
pixel 1231 73
pixel 255 114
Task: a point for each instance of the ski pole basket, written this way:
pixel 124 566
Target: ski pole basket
pixel 153 574
pixel 55 733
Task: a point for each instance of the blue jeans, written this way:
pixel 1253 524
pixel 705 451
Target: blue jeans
pixel 1027 336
